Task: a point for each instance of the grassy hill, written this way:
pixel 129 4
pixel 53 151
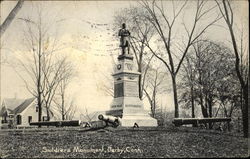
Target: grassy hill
pixel 110 142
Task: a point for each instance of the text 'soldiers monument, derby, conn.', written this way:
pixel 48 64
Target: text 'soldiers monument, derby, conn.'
pixel 126 103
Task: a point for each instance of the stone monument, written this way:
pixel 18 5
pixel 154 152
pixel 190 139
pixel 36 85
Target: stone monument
pixel 126 103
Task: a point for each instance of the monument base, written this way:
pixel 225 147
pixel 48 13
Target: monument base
pixel 130 110
pixel 140 120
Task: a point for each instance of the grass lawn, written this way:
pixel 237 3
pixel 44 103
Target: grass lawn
pixel 120 142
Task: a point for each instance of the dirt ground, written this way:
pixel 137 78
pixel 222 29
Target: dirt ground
pixel 120 142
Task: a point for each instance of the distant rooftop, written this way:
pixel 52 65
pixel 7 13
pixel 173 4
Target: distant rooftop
pixel 12 103
pixel 24 105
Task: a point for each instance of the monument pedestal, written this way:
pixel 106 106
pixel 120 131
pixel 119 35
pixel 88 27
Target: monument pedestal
pixel 126 103
pixel 140 120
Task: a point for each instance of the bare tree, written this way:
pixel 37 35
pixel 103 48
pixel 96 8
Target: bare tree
pixel 66 110
pixel 154 87
pixel 56 75
pixel 41 64
pixel 208 66
pixel 164 27
pixel 228 15
pixel 207 78
pixel 65 107
pixel 161 115
pixel 10 17
pixel 229 98
pixel 187 82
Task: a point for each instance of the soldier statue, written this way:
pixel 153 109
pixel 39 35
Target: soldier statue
pixel 124 40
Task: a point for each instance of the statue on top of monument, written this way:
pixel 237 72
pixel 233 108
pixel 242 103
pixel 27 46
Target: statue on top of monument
pixel 124 40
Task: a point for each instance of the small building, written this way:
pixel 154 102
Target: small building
pixel 6 111
pixel 19 113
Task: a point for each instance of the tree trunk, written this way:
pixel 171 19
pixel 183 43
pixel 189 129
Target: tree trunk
pixel 140 86
pixel 63 114
pixel 39 93
pixel 140 76
pixel 228 126
pixel 154 105
pixel 204 111
pixel 245 112
pixel 63 108
pixel 244 84
pixel 192 101
pixel 39 108
pixel 210 111
pixel 48 115
pixel 192 104
pixel 10 17
pixel 152 108
pixel 176 112
pixel 203 108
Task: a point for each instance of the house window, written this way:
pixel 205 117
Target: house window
pixel 30 119
pixel 36 108
pixel 45 118
pixel 18 119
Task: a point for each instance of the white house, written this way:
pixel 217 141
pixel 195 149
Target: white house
pixel 19 113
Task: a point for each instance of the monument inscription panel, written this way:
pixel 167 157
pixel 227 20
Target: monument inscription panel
pixel 116 106
pixel 118 90
pixel 131 89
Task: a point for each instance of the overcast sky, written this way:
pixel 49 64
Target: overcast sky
pixel 93 56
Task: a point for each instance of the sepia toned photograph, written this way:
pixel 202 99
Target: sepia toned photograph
pixel 124 79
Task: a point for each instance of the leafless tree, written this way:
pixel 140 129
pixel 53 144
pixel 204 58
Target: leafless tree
pixel 187 82
pixel 164 27
pixel 65 107
pixel 66 110
pixel 57 75
pixel 154 87
pixel 207 76
pixel 229 98
pixel 10 17
pixel 226 10
pixel 41 64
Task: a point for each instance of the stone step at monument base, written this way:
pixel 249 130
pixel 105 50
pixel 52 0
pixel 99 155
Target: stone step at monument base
pixel 116 113
pixel 140 120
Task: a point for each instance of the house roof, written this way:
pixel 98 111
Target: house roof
pixel 24 105
pixel 19 105
pixel 10 104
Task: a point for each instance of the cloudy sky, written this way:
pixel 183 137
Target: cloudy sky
pixel 89 41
